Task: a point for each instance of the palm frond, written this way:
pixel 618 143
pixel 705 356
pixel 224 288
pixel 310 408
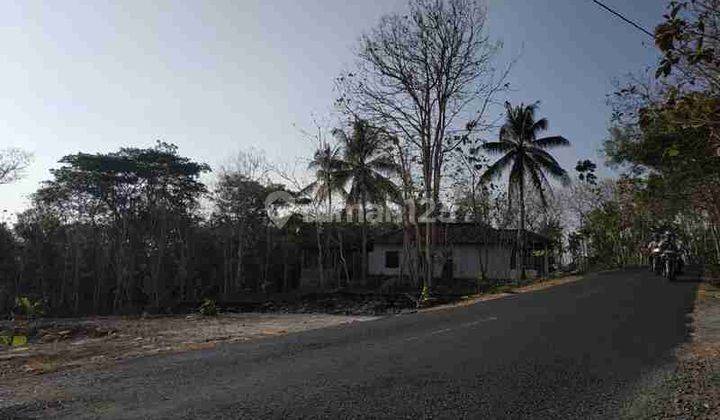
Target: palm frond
pixel 384 164
pixel 539 181
pixel 496 169
pixel 517 172
pixel 498 147
pixel 550 165
pixel 365 165
pixel 308 189
pixel 549 142
pixel 540 125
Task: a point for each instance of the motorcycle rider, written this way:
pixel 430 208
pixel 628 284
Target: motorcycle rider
pixel 669 246
pixel 654 251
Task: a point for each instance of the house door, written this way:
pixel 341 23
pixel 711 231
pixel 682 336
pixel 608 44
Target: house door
pixel 447 273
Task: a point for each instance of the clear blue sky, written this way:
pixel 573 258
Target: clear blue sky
pixel 216 77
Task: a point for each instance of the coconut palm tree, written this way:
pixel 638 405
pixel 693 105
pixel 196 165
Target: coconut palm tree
pixel 365 173
pixel 527 158
pixel 326 162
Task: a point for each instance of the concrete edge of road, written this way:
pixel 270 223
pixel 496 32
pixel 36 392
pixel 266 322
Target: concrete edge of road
pixel 483 297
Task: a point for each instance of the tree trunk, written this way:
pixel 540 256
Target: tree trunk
pixel 76 276
pixel 227 269
pixel 286 285
pixel 342 259
pixel 521 233
pixel 318 238
pixel 239 267
pixel 364 268
pixel 428 237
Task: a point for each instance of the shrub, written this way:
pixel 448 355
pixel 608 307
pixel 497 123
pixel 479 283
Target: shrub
pixel 208 308
pixel 31 308
pixel 482 283
pixel 425 295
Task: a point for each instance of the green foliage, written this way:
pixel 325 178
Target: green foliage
pixel 481 281
pixel 241 200
pixel 31 308
pixel 425 294
pixel 666 135
pixel 130 182
pixel 366 166
pixel 586 171
pixel 528 160
pixel 501 288
pixel 327 162
pixel 688 41
pixel 524 153
pixel 208 308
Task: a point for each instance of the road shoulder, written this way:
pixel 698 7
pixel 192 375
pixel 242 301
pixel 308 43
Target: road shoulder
pixel 503 293
pixel 690 389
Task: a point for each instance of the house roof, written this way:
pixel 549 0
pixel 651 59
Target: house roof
pixel 447 233
pixel 465 233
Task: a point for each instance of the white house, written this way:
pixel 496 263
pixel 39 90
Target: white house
pixel 463 251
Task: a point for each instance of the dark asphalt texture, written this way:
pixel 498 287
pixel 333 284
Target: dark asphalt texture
pixel 572 351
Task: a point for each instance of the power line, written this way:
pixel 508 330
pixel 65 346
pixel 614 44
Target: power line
pixel 624 19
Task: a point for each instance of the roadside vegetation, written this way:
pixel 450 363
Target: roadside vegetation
pixel 143 250
pixel 137 230
pixel 415 140
pixel 664 138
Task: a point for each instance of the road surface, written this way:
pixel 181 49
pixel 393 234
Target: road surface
pixel 576 350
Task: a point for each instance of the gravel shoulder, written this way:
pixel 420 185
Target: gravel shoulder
pixel 84 343
pixel 691 388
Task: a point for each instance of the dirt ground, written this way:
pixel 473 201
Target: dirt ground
pixel 692 389
pixel 82 343
pixel 93 342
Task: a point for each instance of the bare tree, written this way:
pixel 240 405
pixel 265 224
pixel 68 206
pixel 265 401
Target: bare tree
pixel 428 77
pixel 239 196
pixel 13 162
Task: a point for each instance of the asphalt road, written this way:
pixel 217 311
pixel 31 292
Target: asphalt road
pixel 573 351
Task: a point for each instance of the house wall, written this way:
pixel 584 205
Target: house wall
pixel 466 261
pixel 376 261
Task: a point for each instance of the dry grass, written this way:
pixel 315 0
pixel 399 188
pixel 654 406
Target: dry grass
pixel 546 284
pixel 473 299
pixel 98 341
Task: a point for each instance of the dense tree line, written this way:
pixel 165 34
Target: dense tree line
pixel 664 137
pixel 136 230
pixel 123 232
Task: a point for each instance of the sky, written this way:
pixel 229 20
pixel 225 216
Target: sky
pixel 218 77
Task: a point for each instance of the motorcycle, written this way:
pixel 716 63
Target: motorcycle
pixel 655 261
pixel 670 264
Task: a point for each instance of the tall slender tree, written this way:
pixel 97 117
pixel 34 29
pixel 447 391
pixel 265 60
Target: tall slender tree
pixel 529 162
pixel 326 162
pixel 426 75
pixel 366 171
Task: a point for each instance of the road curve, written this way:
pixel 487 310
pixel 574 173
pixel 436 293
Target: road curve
pixel 575 350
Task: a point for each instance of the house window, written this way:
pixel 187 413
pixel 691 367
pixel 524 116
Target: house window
pixel 392 259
